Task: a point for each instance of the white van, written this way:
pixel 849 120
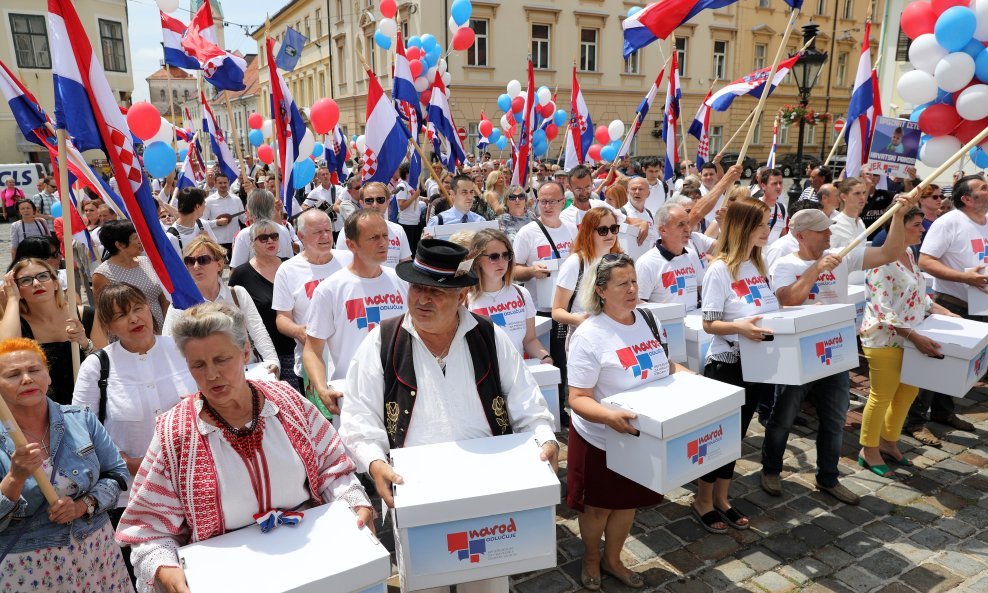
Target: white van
pixel 26 176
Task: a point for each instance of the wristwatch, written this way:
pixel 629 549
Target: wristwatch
pixel 90 505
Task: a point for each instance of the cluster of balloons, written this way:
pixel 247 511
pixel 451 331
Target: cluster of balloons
pixel 608 141
pixel 512 103
pixel 387 27
pixel 950 81
pixel 426 62
pixel 304 168
pixel 157 134
pixel 459 25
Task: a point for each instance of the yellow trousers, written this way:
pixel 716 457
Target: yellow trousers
pixel 888 400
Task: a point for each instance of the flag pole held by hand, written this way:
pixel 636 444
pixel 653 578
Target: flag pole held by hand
pixel 17 435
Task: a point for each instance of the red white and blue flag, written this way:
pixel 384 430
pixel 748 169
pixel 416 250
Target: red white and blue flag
pixel 336 155
pixel 659 19
pixel 221 68
pixel 519 175
pixel 642 113
pixel 85 106
pixel 407 103
pixel 750 84
pixel 671 116
pixel 770 163
pixel 700 129
pixel 385 138
pixel 580 135
pixel 289 128
pixel 172 33
pixel 221 150
pixel 860 111
pixel 442 127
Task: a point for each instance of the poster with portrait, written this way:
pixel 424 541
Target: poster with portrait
pixel 894 146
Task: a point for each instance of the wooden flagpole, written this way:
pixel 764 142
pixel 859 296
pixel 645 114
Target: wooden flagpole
pixel 171 104
pixel 63 194
pixel 15 432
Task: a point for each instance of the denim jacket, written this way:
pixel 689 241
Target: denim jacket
pixel 88 457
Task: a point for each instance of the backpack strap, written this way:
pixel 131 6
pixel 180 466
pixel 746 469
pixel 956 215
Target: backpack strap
pixel 174 232
pixel 579 278
pixel 649 318
pixel 548 237
pixel 104 375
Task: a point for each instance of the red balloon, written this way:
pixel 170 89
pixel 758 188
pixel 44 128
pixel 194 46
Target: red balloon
pixel 265 154
pixel 968 128
pixel 917 19
pixel 486 127
pixel 388 9
pixel 463 38
pixel 413 53
pixel 602 135
pixel 416 68
pixel 426 97
pixel 143 119
pixel 517 104
pixel 551 131
pixel 511 131
pixel 255 121
pixel 941 5
pixel 594 151
pixel 324 115
pixel 939 120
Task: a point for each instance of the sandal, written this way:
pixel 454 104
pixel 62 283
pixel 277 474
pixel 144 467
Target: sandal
pixel 707 520
pixel 589 583
pixel 633 580
pixel 733 517
pixel 882 471
pixel 902 460
pixel 925 436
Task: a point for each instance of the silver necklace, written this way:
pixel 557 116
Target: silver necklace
pixel 41 441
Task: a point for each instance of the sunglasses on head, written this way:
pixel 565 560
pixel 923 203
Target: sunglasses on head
pixel 516 197
pixel 267 237
pixel 613 229
pixel 202 260
pixel 379 199
pixel 506 256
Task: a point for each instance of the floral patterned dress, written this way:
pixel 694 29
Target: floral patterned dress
pixel 92 565
pixel 896 297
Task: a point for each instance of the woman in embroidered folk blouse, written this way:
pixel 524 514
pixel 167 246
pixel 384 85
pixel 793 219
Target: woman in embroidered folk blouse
pixel 206 450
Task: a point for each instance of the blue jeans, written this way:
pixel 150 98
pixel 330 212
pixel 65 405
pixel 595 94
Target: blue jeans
pixel 830 396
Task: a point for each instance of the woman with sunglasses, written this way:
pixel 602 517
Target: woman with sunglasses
pixel 205 260
pixel 596 236
pixel 128 264
pixel 493 264
pixel 518 213
pixel 257 277
pixel 38 309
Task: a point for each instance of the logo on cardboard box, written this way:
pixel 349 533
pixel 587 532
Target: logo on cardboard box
pixel 978 364
pixel 470 544
pixel 696 450
pixel 825 349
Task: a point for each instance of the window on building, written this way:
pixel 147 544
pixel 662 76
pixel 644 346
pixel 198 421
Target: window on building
pixel 842 68
pixel 783 135
pixel 588 50
pixel 186 94
pixel 763 4
pixel 30 40
pixel 716 138
pixel 322 90
pixel 340 46
pixel 477 53
pixel 761 51
pixel 848 9
pixel 112 40
pixel 633 148
pixel 318 22
pixel 682 47
pixel 631 63
pixel 162 94
pixel 810 135
pixel 308 31
pixel 404 29
pixel 756 138
pixel 371 55
pixel 720 60
pixel 902 47
pixel 541 45
pixel 821 6
pixel 174 94
pixel 473 132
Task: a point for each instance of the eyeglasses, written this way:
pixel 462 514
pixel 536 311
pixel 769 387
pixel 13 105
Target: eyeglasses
pixel 379 199
pixel 516 197
pixel 550 202
pixel 202 260
pixel 267 237
pixel 506 256
pixel 25 281
pixel 614 229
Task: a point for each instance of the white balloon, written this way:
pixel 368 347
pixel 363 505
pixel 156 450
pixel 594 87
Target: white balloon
pixel 514 87
pixel 388 26
pixel 972 103
pixel 442 65
pixel 168 6
pixel 505 124
pixel 361 144
pixel 267 128
pixel 164 133
pixel 431 74
pixel 545 95
pixel 925 53
pixel 306 145
pixel 616 130
pixel 954 72
pixel 447 78
pixel 523 95
pixel 917 87
pixel 453 27
pixel 937 150
pixel 421 84
pixel 980 8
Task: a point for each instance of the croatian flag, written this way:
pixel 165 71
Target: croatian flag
pixel 642 112
pixel 385 138
pixel 659 19
pixel 221 150
pixel 860 111
pixel 580 135
pixel 750 84
pixel 442 126
pixel 519 175
pixel 770 163
pixel 85 106
pixel 172 32
pixel 221 68
pixel 336 155
pixel 187 176
pixel 700 129
pixel 671 112
pixel 407 102
pixel 27 112
pixel 289 128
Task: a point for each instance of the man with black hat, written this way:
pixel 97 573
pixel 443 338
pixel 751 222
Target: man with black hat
pixel 456 373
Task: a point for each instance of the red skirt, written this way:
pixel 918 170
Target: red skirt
pixel 589 482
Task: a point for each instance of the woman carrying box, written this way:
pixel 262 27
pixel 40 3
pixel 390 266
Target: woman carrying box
pixel 598 368
pixel 897 302
pixel 736 294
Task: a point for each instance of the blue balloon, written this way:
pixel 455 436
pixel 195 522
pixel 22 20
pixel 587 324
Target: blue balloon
pixel 914 116
pixel 504 102
pixel 539 136
pixel 615 143
pixel 944 97
pixel 434 54
pixel 955 28
pixel 56 209
pixel 317 149
pixel 979 157
pixel 981 65
pixel 502 143
pixel 303 172
pixel 633 11
pixel 382 40
pixel 353 138
pixel 560 118
pixel 182 154
pixel 608 153
pixel 414 41
pixel 159 159
pixel 973 48
pixel 256 138
pixel 519 116
pixel 495 136
pixel 540 148
pixel 461 11
pixel 429 41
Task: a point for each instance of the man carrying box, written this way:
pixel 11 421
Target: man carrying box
pixel 455 373
pixel 814 275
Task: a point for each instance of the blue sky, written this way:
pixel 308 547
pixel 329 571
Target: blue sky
pixel 145 33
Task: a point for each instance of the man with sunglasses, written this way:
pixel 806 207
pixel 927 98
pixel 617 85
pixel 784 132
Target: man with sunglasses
pixel 374 196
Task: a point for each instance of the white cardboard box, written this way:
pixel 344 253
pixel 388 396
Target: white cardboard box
pixel 548 378
pixel 929 284
pixel 543 292
pixel 325 552
pixel 858 295
pixel 476 509
pixel 689 425
pixel 697 341
pixel 964 345
pixel 670 317
pixel 445 231
pixel 810 342
pixel 543 325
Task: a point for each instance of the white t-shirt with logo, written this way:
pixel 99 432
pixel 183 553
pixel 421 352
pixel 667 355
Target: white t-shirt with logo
pixel 294 284
pixel 531 246
pixel 778 249
pixel 749 295
pixel 344 310
pixel 702 245
pixel 510 309
pixel 960 244
pixel 610 358
pixel 410 215
pixel 830 287
pixel 398 248
pixel 569 278
pixel 630 240
pixel 675 280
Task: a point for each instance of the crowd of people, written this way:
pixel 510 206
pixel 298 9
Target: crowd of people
pixel 341 307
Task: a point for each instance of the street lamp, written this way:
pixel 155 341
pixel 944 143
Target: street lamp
pixel 806 70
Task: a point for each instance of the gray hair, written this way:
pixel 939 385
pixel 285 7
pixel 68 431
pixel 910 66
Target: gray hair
pixel 664 213
pixel 261 226
pixel 308 217
pixel 599 274
pixel 205 319
pixel 260 204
